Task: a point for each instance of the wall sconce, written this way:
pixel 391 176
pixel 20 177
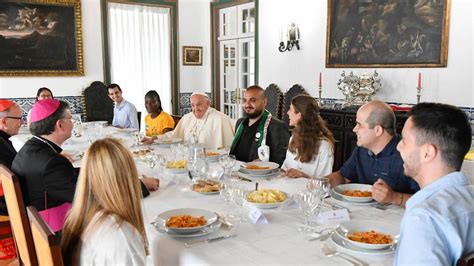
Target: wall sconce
pixel 292 37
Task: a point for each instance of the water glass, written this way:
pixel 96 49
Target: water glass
pixel 239 198
pixel 152 160
pixel 308 203
pixel 226 192
pixel 227 162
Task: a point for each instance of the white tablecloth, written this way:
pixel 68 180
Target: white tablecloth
pixel 278 242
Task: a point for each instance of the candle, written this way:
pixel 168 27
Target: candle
pixel 320 79
pixel 419 80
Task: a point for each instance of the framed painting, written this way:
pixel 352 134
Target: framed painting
pixel 387 33
pixel 192 55
pixel 41 38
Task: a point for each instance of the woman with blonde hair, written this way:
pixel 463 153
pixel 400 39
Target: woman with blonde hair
pixel 311 149
pixel 105 224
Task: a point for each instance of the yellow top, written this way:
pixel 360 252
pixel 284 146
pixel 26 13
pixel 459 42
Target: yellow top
pixel 155 126
pixel 469 155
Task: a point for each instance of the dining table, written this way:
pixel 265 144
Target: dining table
pixel 276 241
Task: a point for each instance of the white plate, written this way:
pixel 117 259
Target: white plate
pixel 266 205
pixel 341 243
pixel 167 141
pixel 337 197
pixel 257 177
pixel 202 232
pixel 363 187
pixel 272 166
pixel 177 170
pixel 347 228
pixel 210 217
pixel 215 158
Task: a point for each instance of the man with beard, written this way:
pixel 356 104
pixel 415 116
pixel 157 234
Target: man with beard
pixel 376 161
pixel 439 219
pixel 259 129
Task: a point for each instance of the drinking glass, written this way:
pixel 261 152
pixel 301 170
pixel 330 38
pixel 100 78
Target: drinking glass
pixel 227 162
pixel 226 191
pixel 161 160
pixel 308 203
pixel 152 160
pixel 239 199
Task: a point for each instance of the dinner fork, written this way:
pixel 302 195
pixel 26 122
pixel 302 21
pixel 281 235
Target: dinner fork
pixel 330 251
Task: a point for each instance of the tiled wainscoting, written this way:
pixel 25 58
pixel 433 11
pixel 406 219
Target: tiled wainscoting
pixel 77 107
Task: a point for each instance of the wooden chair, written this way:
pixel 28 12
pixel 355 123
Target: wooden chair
pixel 467 260
pixel 96 103
pixel 274 100
pixel 46 242
pixel 18 217
pixel 176 119
pixel 292 92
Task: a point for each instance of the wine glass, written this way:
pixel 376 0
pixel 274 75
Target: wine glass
pixel 227 162
pixel 308 203
pixel 239 199
pixel 226 191
pixel 152 160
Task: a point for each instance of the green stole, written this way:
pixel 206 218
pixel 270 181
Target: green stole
pixel 261 128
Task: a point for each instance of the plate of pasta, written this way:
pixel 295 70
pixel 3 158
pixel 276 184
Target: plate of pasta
pixel 354 192
pixel 369 235
pixel 266 198
pixel 187 220
pixel 259 167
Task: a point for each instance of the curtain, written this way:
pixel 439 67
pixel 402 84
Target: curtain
pixel 140 52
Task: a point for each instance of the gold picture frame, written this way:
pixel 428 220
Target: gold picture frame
pixel 192 55
pixel 387 33
pixel 43 38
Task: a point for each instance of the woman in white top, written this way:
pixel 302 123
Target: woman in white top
pixel 105 224
pixel 311 148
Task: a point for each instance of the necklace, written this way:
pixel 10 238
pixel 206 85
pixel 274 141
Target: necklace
pixel 45 142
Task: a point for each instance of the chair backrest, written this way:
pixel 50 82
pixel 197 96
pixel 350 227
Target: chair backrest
pixel 139 116
pixel 274 100
pixel 18 217
pixel 97 104
pixel 292 92
pixel 467 260
pixel 176 119
pixel 46 242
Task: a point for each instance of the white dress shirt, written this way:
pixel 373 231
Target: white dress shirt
pixel 320 166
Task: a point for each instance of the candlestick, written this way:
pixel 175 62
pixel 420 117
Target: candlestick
pixel 320 79
pixel 320 92
pixel 418 94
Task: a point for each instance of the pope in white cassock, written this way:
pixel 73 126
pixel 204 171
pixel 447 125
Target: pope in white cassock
pixel 205 124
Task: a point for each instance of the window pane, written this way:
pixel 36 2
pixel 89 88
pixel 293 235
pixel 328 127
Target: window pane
pixel 252 66
pixel 245 66
pixel 252 49
pixel 245 14
pixel 245 49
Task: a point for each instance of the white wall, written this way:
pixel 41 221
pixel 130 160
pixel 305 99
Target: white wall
pixel 195 30
pixel 66 86
pixel 453 84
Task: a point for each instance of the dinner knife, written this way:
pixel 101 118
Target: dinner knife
pixel 208 240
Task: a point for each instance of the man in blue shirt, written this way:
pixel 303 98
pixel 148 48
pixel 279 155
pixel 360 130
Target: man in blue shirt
pixel 125 113
pixel 376 161
pixel 438 225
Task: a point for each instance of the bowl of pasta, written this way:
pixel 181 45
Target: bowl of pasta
pixel 266 198
pixel 177 166
pixel 187 220
pixel 354 192
pixel 368 234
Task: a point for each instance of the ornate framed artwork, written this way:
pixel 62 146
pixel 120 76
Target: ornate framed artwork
pixel 41 38
pixel 389 33
pixel 192 55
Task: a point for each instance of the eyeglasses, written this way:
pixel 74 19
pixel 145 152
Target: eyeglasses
pixel 14 117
